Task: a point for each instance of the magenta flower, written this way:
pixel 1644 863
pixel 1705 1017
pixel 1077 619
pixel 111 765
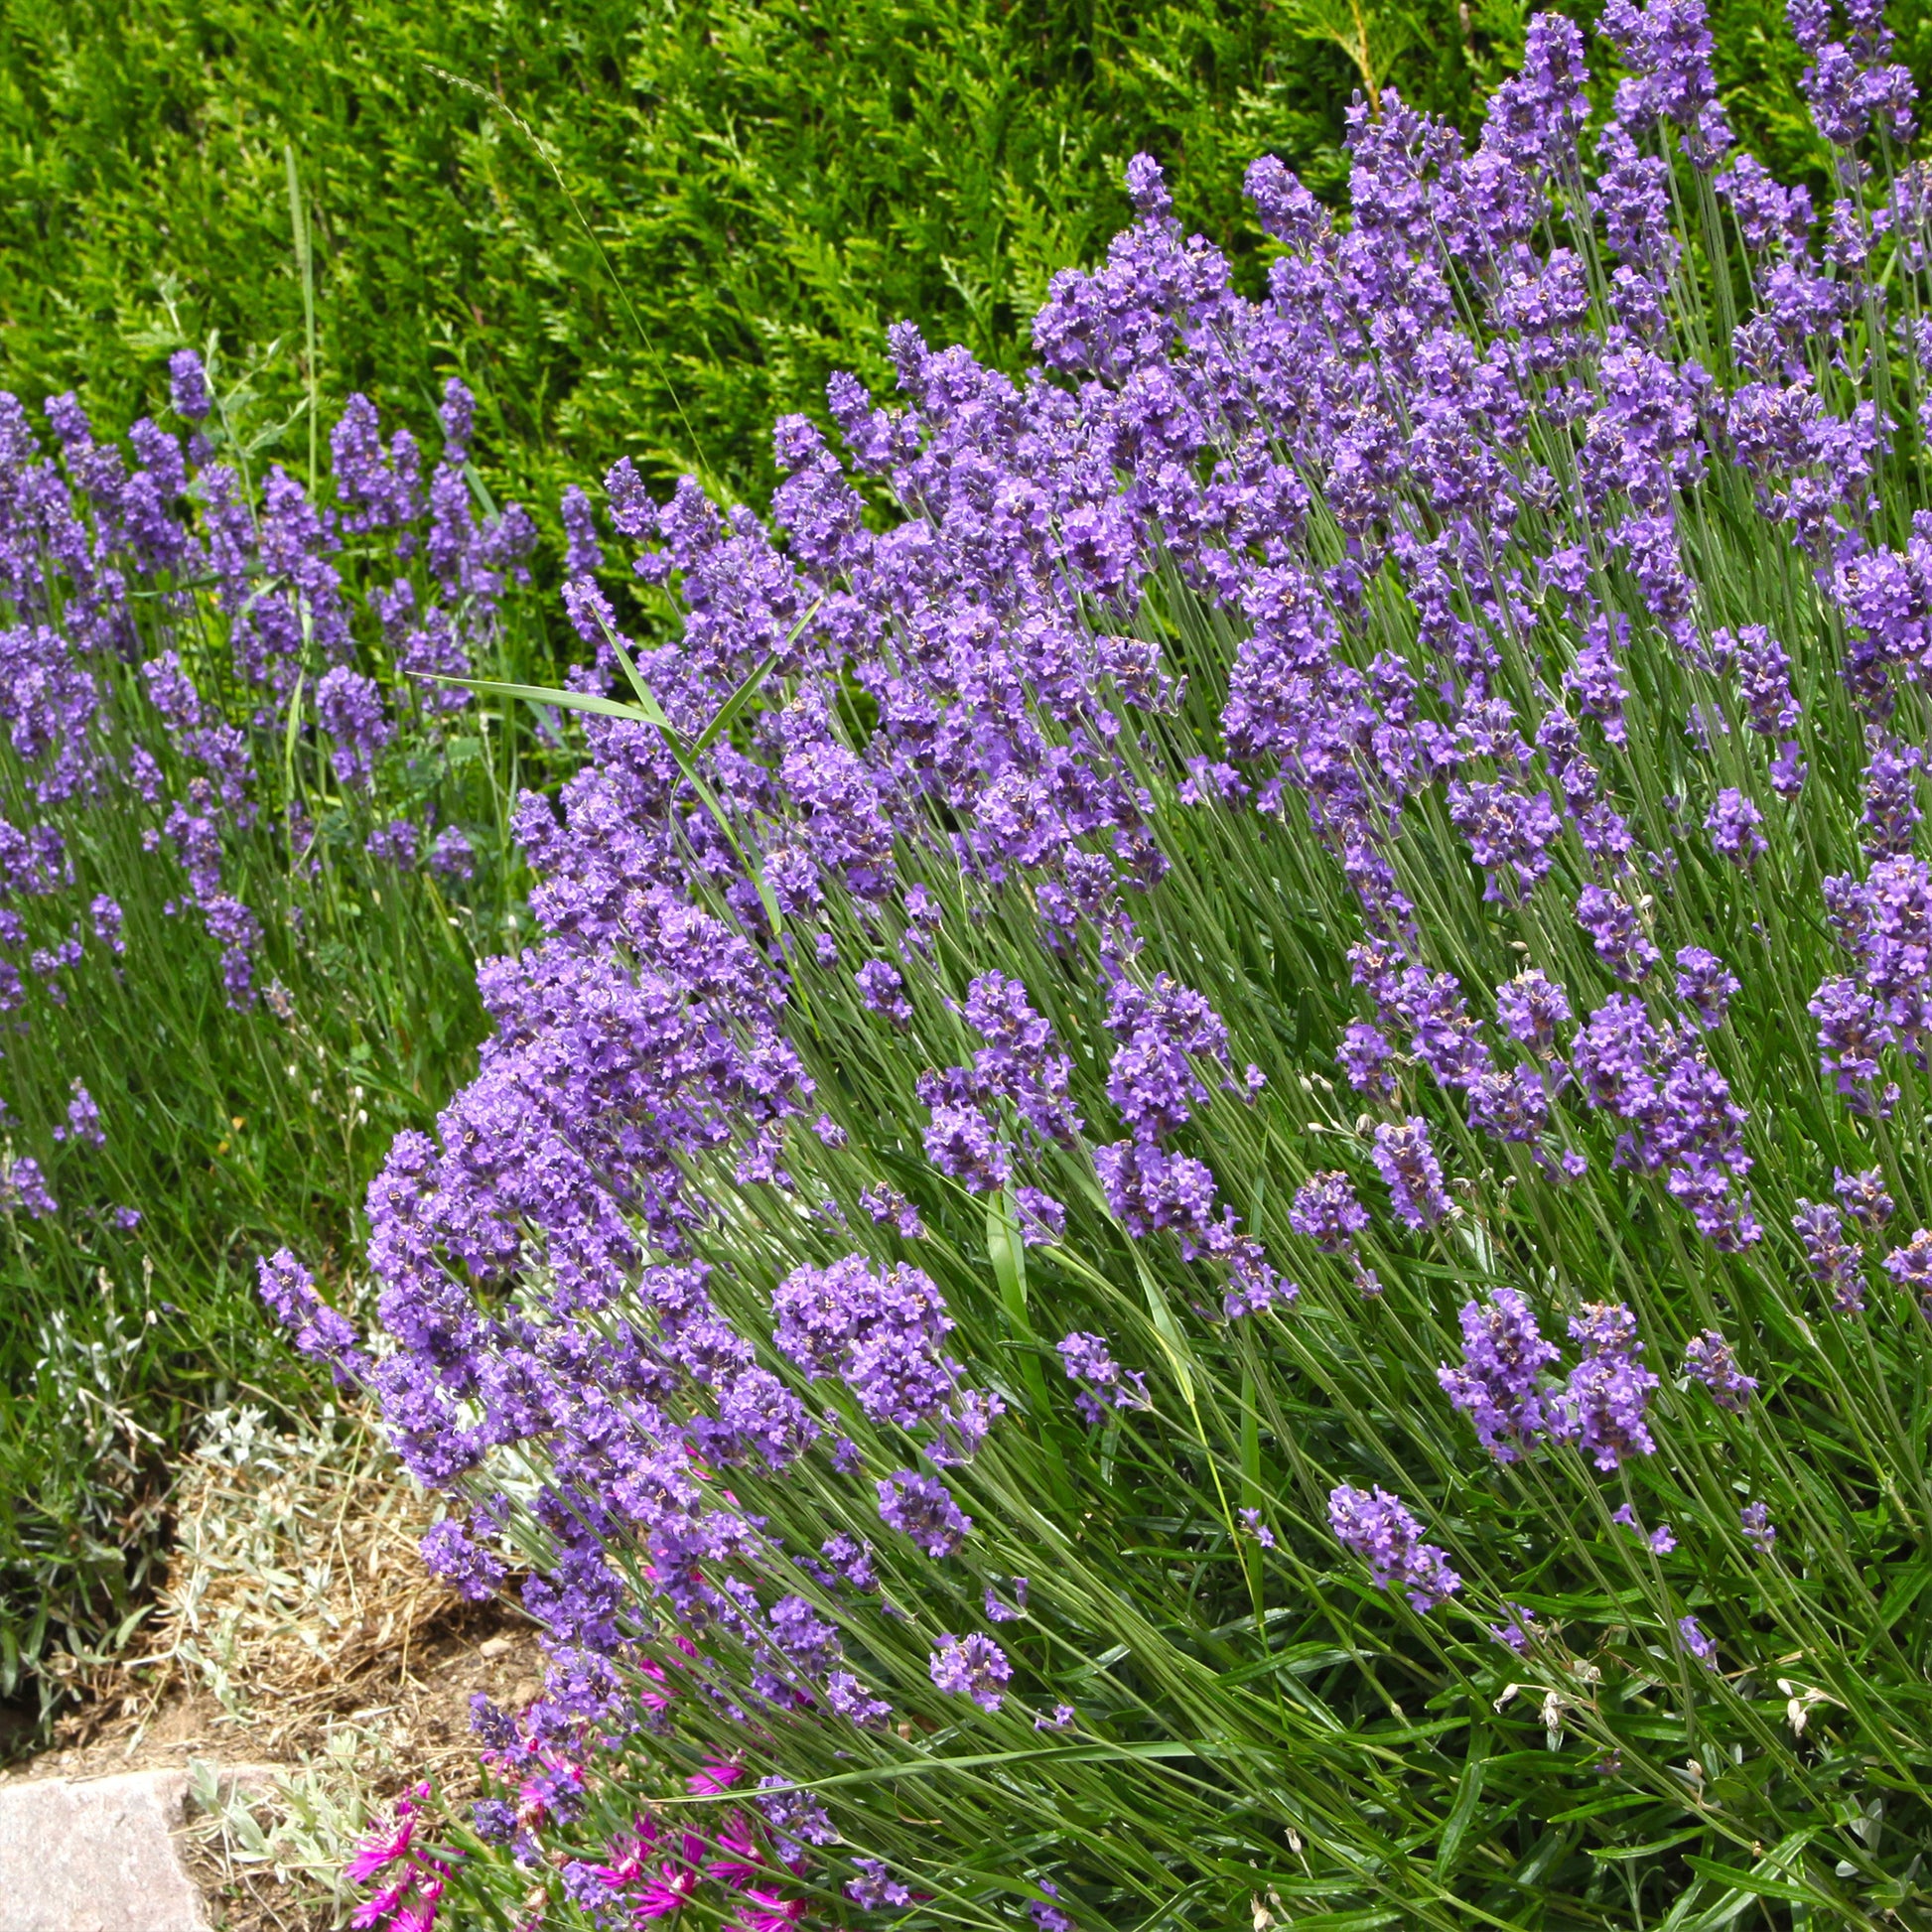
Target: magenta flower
pixel 740 1861
pixel 381 1848
pixel 765 1910
pixel 667 1890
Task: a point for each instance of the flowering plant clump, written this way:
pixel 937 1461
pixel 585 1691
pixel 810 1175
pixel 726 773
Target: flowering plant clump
pixel 1206 1196
pixel 247 860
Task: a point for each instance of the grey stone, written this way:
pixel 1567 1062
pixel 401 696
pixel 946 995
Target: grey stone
pixel 95 1855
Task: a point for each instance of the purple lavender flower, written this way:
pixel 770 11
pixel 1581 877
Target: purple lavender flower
pixel 796 1817
pixel 1835 1261
pixel 821 1313
pixel 1047 1917
pixel 1754 1519
pixel 1408 1166
pixel 882 989
pixel 583 553
pixel 887 1205
pixel 1911 1266
pixel 1852 1032
pixel 974 1667
pixel 1442 1034
pixel 1042 1218
pixel 458 415
pixel 1733 823
pixel 1863 1195
pixel 1363 1056
pixel 1704 983
pixel 23 1186
pixel 1530 1008
pixel 1595 677
pixel 1763 678
pixel 921 1507
pixel 850 1699
pixel 381 489
pixel 319 1332
pixel 1326 1212
pixel 187 391
pixel 450 1554
pixel 997 1611
pixel 850 1561
pixel 1616 931
pixel 236 930
pixel 1602 1405
pixel 451 856
pixel 1519 1629
pixel 349 709
pixel 1661 1541
pixel 963 1143
pixel 1018 1067
pixel 875 1888
pixel 1513 1106
pixel 1087 1360
pixel 1708 1359
pixel 1376 1527
pixel 82 1123
pixel 1500 1383
pixel 1509 835
pixel 394 843
pixel 1613 1055
pixel 1690 1633
pixel 803 1635
pixel 1148 1188
pixel 1667 45
pixel 1891 814
pixel 108 919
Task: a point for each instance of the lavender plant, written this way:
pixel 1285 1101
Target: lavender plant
pixel 1205 1202
pixel 248 862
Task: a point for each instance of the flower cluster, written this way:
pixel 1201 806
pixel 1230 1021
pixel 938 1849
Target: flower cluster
pixel 989 865
pixel 100 554
pixel 1389 1540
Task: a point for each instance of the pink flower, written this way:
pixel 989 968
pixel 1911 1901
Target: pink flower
pixel 420 1916
pixel 771 1911
pixel 714 1778
pixel 653 1700
pixel 667 1891
pixel 627 1854
pixel 375 1910
pixel 376 1850
pixel 741 1864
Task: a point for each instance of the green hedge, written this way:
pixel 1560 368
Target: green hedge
pixel 768 186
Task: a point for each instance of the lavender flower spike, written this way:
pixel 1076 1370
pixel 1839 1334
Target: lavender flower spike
pixel 1326 1211
pixel 1408 1166
pixel 1708 1359
pixel 1498 1385
pixel 1376 1527
pixel 1603 1402
pixel 974 1667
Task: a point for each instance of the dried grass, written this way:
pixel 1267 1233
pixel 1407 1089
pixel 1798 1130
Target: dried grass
pixel 299 1632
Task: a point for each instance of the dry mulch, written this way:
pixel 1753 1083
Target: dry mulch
pixel 298 1631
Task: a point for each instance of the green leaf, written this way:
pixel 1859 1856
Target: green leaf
pixel 545 694
pixel 738 699
pixel 1617 1853
pixel 1469 1793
